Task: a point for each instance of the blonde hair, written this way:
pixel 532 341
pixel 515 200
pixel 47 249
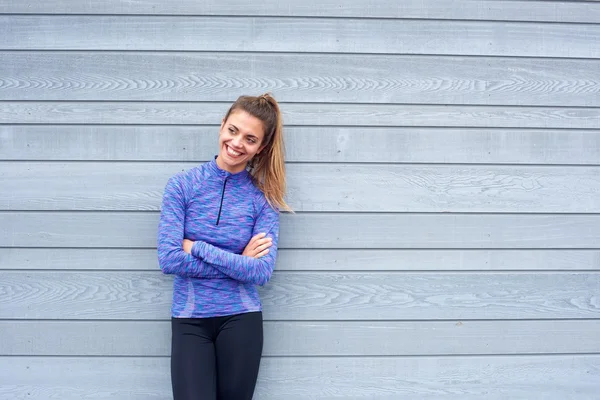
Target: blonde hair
pixel 267 167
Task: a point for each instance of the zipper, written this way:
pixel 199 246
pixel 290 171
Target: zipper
pixel 222 196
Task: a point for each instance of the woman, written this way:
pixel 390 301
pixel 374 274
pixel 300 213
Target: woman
pixel 218 234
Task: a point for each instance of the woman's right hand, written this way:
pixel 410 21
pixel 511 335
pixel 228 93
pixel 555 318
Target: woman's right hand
pixel 258 246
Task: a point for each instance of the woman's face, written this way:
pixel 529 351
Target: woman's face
pixel 240 139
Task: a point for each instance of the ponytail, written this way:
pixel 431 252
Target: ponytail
pixel 267 167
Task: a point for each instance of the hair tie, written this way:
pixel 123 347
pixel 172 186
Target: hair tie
pixel 266 97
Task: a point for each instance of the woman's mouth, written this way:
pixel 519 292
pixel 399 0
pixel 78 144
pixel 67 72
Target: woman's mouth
pixel 232 152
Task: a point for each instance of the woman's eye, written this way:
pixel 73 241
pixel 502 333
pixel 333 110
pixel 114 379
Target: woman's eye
pixel 231 130
pixel 252 141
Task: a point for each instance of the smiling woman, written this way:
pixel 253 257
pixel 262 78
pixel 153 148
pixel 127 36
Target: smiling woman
pixel 218 234
pixel 240 140
pixel 259 121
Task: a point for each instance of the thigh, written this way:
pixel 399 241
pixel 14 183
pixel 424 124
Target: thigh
pixel 193 365
pixel 239 348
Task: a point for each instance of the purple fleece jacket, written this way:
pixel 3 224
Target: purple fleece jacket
pixel 221 212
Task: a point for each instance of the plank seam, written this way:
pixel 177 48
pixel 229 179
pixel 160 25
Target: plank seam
pixel 279 53
pixel 311 103
pixel 366 164
pixel 329 213
pixel 309 17
pixel 341 248
pixel 378 321
pixel 345 272
pixel 360 357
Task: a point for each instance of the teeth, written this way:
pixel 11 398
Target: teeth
pixel 232 152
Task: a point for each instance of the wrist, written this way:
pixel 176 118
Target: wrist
pixel 198 249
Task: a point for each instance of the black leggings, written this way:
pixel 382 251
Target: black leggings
pixel 216 358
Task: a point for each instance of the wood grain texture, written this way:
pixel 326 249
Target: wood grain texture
pixel 497 299
pixel 314 187
pixel 512 10
pixel 390 378
pixel 321 35
pixel 318 230
pixel 318 260
pixel 325 78
pixel 351 115
pixel 312 338
pixel 305 144
pixel 313 296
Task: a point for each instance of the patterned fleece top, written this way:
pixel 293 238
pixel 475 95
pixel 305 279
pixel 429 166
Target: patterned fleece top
pixel 221 212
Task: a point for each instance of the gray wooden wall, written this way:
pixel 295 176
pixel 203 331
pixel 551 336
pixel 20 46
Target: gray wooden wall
pixel 444 162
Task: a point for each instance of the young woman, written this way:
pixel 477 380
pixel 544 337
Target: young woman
pixel 218 234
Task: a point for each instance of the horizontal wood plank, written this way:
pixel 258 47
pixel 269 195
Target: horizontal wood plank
pixel 318 260
pixel 512 10
pixel 314 187
pixel 313 296
pixel 305 144
pixel 321 35
pixel 324 78
pixel 389 378
pixel 353 115
pixel 313 338
pixel 318 230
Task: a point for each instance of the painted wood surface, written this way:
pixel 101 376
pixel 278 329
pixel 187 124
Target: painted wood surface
pixel 311 338
pixel 288 259
pixel 305 114
pixel 138 295
pixel 89 229
pixel 315 187
pixel 346 78
pixel 323 35
pixel 390 378
pixel 442 156
pixel 511 10
pixel 330 144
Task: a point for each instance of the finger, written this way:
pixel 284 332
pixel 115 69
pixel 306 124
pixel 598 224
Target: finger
pixel 259 236
pixel 263 246
pixel 258 254
pixel 264 241
pixel 258 246
pixel 256 238
pixel 262 253
pixel 254 251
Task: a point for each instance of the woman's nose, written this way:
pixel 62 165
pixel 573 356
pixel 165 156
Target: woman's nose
pixel 236 141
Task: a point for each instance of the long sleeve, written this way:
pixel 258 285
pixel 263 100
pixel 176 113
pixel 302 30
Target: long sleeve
pixel 243 268
pixel 171 257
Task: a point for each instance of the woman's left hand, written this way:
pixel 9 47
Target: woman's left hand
pixel 187 246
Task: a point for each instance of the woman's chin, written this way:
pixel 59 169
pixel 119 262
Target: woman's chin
pixel 233 164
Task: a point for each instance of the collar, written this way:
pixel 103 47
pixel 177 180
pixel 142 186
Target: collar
pixel 221 173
